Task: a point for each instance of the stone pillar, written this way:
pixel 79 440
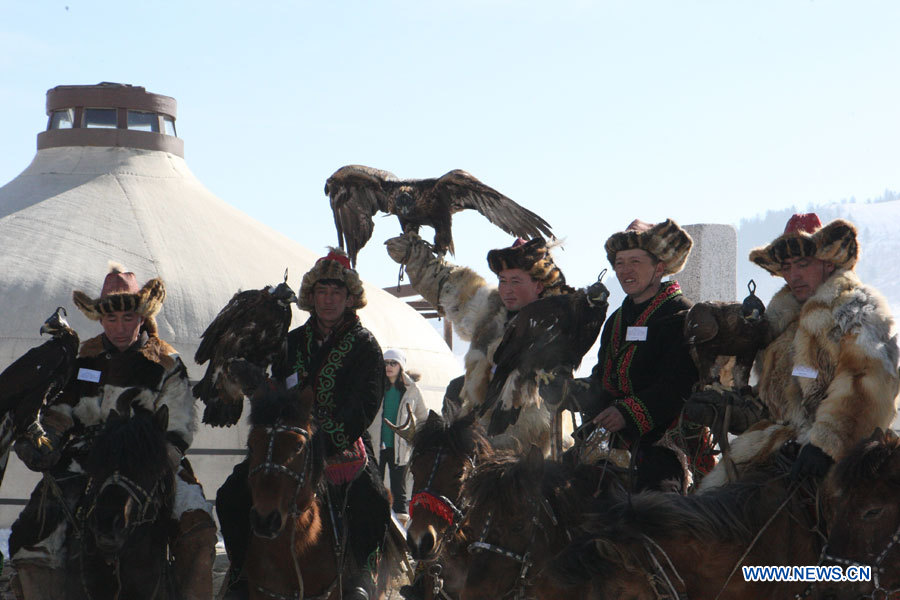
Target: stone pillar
pixel 711 269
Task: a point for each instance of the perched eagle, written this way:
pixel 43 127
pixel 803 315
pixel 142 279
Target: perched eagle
pixel 37 378
pixel 244 339
pixel 546 338
pixel 714 329
pixel 358 192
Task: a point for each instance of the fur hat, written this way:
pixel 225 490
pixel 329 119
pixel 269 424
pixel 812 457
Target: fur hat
pixel 804 236
pixel 120 292
pixel 666 241
pixel 534 258
pixel 335 266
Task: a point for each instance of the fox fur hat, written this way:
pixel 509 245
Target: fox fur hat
pixel 334 266
pixel 120 292
pixel 666 241
pixel 534 258
pixel 804 235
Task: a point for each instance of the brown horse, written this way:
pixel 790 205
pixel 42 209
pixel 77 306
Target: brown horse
pixel 862 499
pixel 654 545
pixel 444 454
pixel 118 546
pixel 292 550
pixel 522 512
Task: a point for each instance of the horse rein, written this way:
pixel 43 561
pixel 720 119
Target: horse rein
pixel 524 560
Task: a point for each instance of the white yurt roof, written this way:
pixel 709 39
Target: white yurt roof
pixel 75 208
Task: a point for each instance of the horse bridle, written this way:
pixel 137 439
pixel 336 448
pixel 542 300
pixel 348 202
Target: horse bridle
pixel 878 592
pixel 148 502
pixel 438 504
pixel 271 467
pixel 517 592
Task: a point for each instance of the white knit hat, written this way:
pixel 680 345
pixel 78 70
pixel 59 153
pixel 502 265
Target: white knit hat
pixel 395 354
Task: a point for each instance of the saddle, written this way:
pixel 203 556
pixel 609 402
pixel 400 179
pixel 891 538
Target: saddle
pixel 345 467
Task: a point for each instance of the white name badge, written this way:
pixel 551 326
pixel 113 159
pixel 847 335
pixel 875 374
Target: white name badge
pixel 804 371
pixel 291 380
pixel 636 334
pixel 89 375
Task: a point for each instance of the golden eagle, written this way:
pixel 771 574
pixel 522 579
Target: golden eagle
pixel 358 192
pixel 244 339
pixel 35 379
pixel 714 329
pixel 543 343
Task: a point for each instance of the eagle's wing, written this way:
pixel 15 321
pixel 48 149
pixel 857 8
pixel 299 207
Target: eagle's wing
pixel 461 190
pixel 357 193
pixel 236 314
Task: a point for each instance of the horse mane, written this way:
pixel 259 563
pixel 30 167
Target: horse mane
pixel 464 436
pixel 505 481
pixel 730 513
pixel 130 445
pixel 268 406
pixel 872 458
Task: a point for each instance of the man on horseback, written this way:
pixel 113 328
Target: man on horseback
pixel 644 372
pixel 480 313
pixel 829 376
pixel 128 355
pixel 340 362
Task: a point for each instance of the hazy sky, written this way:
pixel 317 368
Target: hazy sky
pixel 589 113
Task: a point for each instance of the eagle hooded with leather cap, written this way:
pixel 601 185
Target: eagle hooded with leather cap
pixel 829 376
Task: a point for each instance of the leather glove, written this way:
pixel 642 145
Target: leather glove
pixel 35 457
pixel 811 462
pixel 404 247
pixel 707 407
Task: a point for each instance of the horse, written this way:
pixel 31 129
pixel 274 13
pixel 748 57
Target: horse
pixel 118 548
pixel 292 552
pixel 862 507
pixel 294 549
pixel 444 454
pixel 521 512
pixel 651 545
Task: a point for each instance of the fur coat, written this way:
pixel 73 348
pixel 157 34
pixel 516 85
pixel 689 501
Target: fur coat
pixel 829 377
pixel 479 317
pixel 104 374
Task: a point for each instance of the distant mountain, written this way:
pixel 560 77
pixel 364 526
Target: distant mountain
pixel 877 222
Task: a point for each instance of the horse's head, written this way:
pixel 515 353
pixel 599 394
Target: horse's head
pixel 285 459
pixel 863 514
pixel 130 478
pixel 518 517
pixel 443 456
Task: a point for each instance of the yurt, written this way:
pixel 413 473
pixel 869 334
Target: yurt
pixel 109 183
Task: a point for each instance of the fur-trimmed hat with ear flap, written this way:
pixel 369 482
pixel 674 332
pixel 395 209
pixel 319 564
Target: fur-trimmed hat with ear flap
pixel 666 241
pixel 534 258
pixel 804 235
pixel 120 293
pixel 334 266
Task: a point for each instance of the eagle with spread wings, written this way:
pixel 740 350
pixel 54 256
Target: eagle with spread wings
pixel 245 338
pixel 358 192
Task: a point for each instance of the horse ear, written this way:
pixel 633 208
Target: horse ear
pixel 113 415
pixel 432 416
pixel 161 418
